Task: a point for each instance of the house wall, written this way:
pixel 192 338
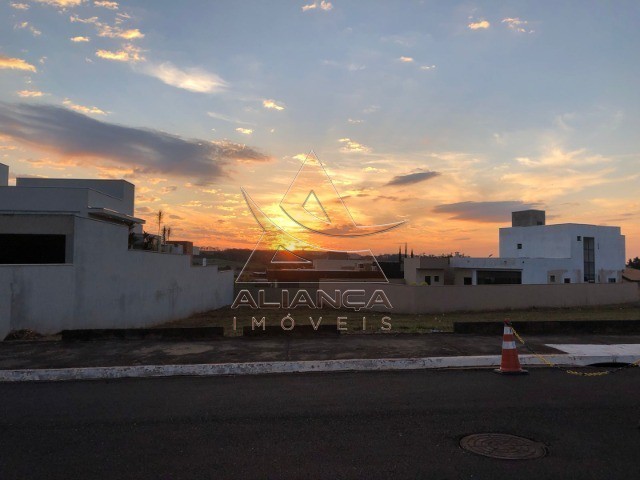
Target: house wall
pixel 411 266
pixel 561 241
pixel 114 194
pixel 421 273
pixel 108 286
pixel 534 270
pixel 68 200
pixel 4 175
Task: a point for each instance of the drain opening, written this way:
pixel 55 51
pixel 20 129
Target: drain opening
pixel 503 446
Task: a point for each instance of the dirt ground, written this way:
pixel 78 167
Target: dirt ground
pixel 400 323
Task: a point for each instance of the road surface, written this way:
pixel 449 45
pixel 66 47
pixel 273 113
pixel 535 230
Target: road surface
pixel 349 425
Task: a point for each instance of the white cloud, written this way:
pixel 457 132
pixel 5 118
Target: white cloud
pixel 129 53
pixel 29 93
pixel 191 79
pixel 517 25
pixel 105 4
pixel 352 67
pixel 244 131
pixel 83 109
pixel 374 170
pixel 79 39
pixel 406 59
pixel 481 25
pixel 354 120
pixel 27 26
pixel 322 5
pixel 427 67
pixel 271 104
pixel 77 19
pixel 351 146
pixel 226 118
pixel 20 6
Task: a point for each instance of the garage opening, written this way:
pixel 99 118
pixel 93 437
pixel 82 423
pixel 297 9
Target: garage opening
pixel 499 277
pixel 32 249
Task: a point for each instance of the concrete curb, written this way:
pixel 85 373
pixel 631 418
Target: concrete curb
pixel 262 368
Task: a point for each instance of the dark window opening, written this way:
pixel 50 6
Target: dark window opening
pixel 579 238
pixel 427 279
pixel 499 277
pixel 567 280
pixel 552 279
pixel 32 249
pixel 612 280
pixel 468 281
pixel 436 279
pixel 519 246
pixel 589 259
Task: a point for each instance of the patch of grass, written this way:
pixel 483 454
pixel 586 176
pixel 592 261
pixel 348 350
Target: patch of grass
pixel 400 323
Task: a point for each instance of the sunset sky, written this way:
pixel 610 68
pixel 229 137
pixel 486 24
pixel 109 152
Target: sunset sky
pixel 448 115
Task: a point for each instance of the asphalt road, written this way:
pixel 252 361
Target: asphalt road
pixel 350 425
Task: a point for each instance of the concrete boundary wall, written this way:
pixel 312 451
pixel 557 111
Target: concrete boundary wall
pixel 420 299
pixel 452 298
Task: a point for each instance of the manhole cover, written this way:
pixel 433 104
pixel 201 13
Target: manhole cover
pixel 503 446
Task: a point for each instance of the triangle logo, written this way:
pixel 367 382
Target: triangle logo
pixel 283 255
pixel 313 206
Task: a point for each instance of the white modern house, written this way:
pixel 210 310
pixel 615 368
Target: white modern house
pixel 532 252
pixel 66 261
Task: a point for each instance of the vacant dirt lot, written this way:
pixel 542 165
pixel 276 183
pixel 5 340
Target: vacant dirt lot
pixel 400 323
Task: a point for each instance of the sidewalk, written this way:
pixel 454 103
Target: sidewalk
pixel 36 360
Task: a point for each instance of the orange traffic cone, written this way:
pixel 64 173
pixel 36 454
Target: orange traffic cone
pixel 510 363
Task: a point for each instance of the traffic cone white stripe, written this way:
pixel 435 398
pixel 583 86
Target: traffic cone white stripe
pixel 509 345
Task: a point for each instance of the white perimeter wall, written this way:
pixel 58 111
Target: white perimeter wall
pixel 451 298
pixel 108 286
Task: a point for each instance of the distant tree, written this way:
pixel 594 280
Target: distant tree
pixel 634 263
pixel 159 218
pixel 412 253
pixel 399 254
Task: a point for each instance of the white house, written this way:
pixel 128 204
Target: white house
pixel 532 252
pixel 65 261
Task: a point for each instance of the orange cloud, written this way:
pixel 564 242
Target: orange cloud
pixel 128 54
pixel 29 93
pixel 351 146
pixel 106 4
pixel 62 3
pixel 481 25
pixel 15 64
pixel 82 108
